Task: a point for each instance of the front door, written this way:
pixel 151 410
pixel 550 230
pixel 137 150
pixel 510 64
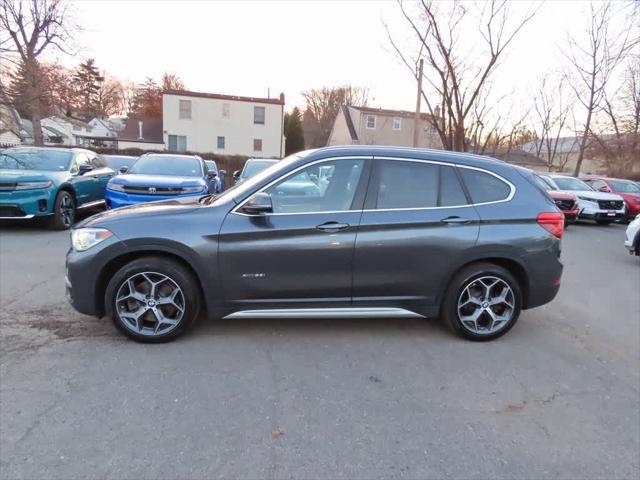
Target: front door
pixel 416 222
pixel 84 185
pixel 303 251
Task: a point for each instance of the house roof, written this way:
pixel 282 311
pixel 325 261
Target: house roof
pixel 151 130
pixel 391 113
pixel 564 145
pixel 217 96
pixel 347 116
pixel 518 156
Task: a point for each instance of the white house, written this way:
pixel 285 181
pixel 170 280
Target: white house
pixel 224 124
pixel 65 130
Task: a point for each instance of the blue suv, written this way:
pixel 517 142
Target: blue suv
pixel 159 177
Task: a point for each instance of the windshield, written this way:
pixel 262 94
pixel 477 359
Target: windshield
pixel 624 186
pixel 167 165
pixel 570 183
pixel 115 162
pixel 36 159
pixel 252 168
pixel 276 166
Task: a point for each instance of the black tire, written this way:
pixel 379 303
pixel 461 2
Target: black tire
pixel 64 211
pixel 603 222
pixel 465 277
pixel 176 273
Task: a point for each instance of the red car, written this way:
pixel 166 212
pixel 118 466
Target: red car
pixel 567 203
pixel 628 190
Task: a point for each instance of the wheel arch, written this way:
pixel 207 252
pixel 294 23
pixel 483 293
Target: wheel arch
pixel 511 264
pixel 67 187
pixel 116 263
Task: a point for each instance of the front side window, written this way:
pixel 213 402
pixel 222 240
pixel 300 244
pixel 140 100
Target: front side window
pixel 397 123
pixel 371 122
pixel 185 110
pixel 220 143
pixel 257 144
pixel 407 184
pixel 258 115
pixel 484 187
pixel 323 187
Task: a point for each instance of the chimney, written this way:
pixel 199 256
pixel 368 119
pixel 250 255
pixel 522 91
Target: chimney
pixel 140 137
pixel 282 98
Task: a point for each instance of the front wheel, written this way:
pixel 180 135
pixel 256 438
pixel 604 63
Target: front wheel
pixel 482 302
pixel 64 211
pixel 152 299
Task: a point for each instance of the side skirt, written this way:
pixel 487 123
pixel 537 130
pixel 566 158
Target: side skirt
pixel 353 312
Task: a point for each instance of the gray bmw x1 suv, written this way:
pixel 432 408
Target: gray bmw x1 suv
pixel 337 232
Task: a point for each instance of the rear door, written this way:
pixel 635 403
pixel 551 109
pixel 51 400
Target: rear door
pixel 303 251
pixel 417 219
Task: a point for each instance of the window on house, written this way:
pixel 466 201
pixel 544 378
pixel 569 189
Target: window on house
pixel 257 144
pixel 371 122
pixel 177 143
pixel 226 110
pixel 185 110
pixel 220 143
pixel 258 115
pixel 397 123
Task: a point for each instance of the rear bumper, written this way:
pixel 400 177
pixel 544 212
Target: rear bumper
pixel 544 270
pixel 115 199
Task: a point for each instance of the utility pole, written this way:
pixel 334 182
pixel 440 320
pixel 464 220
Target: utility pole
pixel 416 118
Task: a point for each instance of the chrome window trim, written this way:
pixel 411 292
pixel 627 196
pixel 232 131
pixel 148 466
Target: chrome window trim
pixel 512 187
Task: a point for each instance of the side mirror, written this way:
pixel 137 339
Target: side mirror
pixel 258 204
pixel 236 175
pixel 223 172
pixel 84 168
pixel 123 169
pixel 604 188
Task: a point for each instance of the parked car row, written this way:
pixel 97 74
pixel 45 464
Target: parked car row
pixel 57 182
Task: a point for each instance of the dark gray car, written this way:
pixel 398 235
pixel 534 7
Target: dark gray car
pixel 386 232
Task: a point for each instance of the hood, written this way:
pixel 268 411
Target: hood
pixel 557 195
pixel 151 209
pixel 12 176
pixel 141 180
pixel 593 194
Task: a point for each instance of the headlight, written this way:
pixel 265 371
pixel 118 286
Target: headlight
pixel 196 189
pixel 115 187
pixel 33 185
pixel 85 238
pixel 587 199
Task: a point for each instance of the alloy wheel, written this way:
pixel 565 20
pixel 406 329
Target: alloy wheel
pixel 66 210
pixel 150 303
pixel 486 305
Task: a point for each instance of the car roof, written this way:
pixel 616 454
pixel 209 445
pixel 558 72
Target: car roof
pixel 172 155
pixel 61 149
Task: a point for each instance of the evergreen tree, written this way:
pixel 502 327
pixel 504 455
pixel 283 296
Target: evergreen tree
pixel 293 132
pixel 88 81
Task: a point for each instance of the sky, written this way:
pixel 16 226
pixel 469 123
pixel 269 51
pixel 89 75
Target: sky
pixel 251 48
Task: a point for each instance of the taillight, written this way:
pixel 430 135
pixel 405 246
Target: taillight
pixel 552 222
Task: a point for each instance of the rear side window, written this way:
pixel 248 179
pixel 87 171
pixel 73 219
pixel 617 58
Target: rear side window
pixel 404 184
pixel 451 192
pixel 484 187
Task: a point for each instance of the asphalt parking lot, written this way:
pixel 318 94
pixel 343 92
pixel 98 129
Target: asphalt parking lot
pixel 558 397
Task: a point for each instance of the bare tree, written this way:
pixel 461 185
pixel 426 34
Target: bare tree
pixel 323 105
pixel 459 80
pixel 27 30
pixel 552 106
pixel 110 96
pixel 593 61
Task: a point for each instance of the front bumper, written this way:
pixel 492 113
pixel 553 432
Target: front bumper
pixel 115 199
pixel 83 280
pixel 596 213
pixel 18 204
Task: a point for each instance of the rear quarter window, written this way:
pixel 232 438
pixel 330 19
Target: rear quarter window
pixel 484 187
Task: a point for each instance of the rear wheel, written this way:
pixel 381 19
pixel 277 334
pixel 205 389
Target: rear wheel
pixel 482 302
pixel 64 211
pixel 603 222
pixel 152 299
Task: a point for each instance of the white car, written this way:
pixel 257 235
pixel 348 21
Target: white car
pixel 602 207
pixel 632 242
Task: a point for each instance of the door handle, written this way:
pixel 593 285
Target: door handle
pixel 332 227
pixel 455 220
